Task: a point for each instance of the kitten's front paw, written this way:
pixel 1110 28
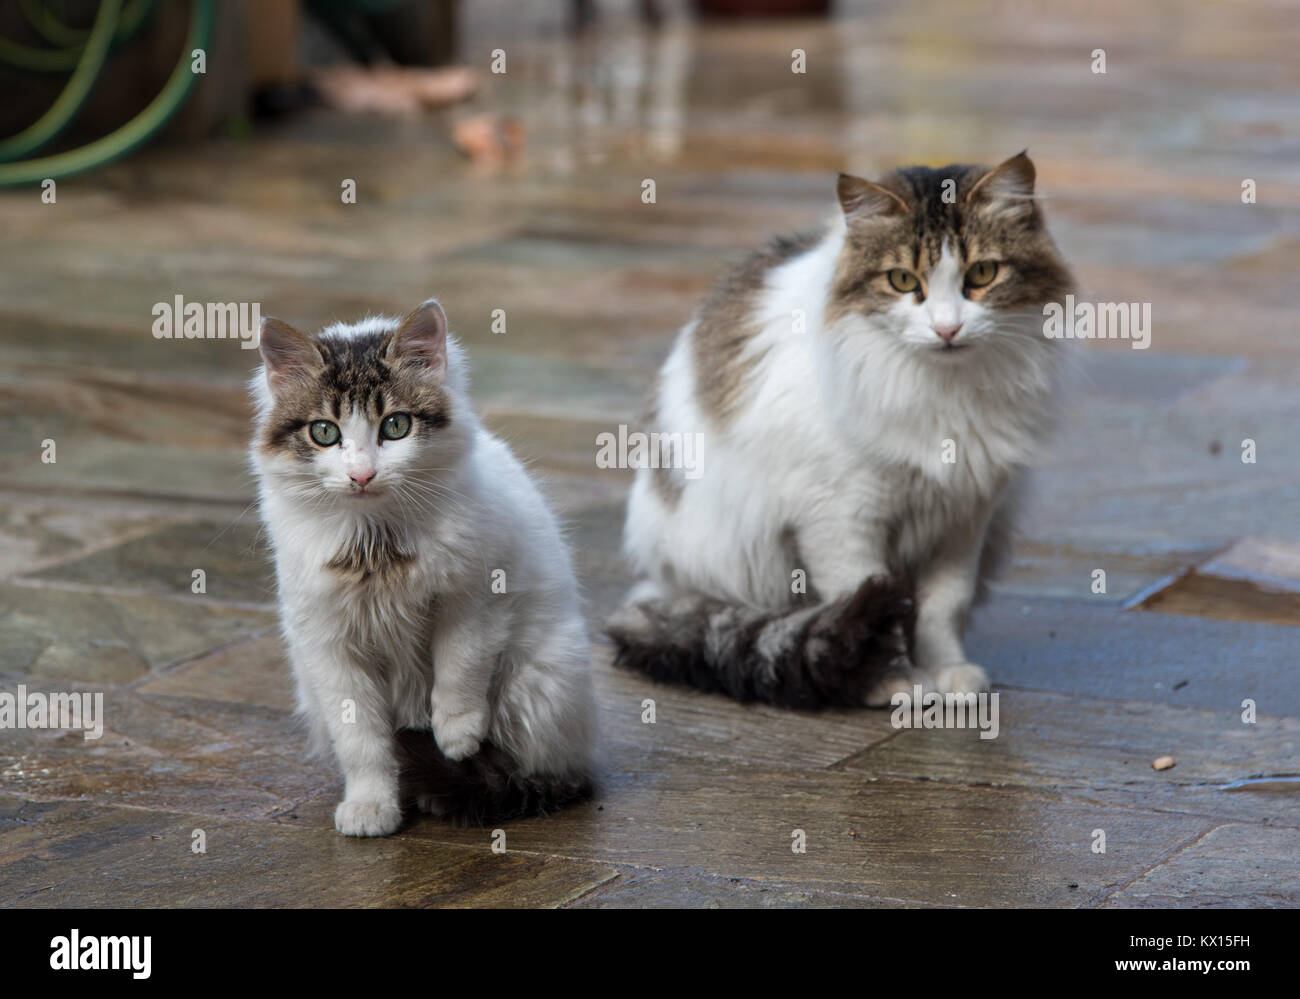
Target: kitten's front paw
pixel 459 735
pixel 367 818
pixel 961 678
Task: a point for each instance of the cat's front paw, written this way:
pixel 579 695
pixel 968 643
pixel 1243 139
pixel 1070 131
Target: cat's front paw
pixel 899 681
pixel 367 818
pixel 961 678
pixel 459 735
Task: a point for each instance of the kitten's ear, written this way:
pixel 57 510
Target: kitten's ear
pixel 422 339
pixel 1008 188
pixel 287 354
pixel 863 198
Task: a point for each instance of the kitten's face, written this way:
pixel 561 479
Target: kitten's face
pixel 947 262
pixel 359 418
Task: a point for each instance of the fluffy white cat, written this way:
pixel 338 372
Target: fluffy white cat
pixel 867 397
pixel 424 585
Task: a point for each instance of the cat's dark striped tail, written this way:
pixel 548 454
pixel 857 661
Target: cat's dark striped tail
pixel 485 788
pixel 834 653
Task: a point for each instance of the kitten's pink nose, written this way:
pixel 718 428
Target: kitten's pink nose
pixel 947 333
pixel 361 478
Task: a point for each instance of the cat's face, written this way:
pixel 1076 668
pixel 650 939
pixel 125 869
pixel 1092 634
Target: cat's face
pixel 360 417
pixel 945 263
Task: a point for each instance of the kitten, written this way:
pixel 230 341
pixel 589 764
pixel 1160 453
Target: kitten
pixel 424 585
pixel 867 396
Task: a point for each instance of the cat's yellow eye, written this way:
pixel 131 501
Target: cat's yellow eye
pixel 902 281
pixel 395 427
pixel 980 273
pixel 324 433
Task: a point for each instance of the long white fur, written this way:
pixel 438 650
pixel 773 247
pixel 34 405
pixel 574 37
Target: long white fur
pixel 841 434
pixel 512 667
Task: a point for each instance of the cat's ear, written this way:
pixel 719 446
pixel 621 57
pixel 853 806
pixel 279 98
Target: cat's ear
pixel 421 339
pixel 288 355
pixel 1007 189
pixel 862 198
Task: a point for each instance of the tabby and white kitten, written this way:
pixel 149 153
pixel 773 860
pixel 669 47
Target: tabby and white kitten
pixel 867 396
pixel 423 582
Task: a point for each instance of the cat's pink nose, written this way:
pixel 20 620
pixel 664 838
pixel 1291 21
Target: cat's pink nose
pixel 361 478
pixel 947 333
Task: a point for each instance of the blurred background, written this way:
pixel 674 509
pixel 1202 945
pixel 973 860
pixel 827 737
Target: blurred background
pixel 333 159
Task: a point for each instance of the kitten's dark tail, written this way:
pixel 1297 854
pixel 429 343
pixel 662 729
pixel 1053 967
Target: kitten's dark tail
pixel 804 657
pixel 485 788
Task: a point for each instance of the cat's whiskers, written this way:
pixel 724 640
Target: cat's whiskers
pixel 434 492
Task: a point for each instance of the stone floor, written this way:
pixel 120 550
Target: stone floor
pixel 1143 170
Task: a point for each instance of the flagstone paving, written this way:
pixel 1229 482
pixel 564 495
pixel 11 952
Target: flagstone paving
pixel 200 792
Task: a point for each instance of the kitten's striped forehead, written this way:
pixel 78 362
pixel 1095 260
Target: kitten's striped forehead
pixel 355 378
pixel 356 375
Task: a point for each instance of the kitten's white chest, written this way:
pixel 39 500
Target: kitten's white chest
pixel 368 584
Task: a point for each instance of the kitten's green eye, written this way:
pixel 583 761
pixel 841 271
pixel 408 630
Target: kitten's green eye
pixel 324 433
pixel 902 281
pixel 981 272
pixel 395 427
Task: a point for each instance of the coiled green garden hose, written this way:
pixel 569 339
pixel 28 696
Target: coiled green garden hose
pixel 54 31
pixel 65 108
pixel 89 60
pixel 72 40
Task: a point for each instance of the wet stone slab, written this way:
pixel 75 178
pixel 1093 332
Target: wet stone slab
pixel 80 855
pixel 688 889
pixel 570 389
pixel 124 344
pixel 251 671
pixel 1257 579
pixel 115 433
pixel 1103 751
pixel 560 453
pixel 67 635
pixel 697 725
pixel 169 754
pixel 1098 650
pixel 1233 867
pixel 922 842
pixel 1043 568
pixel 597 532
pixel 233 557
pixel 35 531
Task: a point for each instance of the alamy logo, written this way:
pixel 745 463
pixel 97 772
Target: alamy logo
pixel 934 710
pixel 182 320
pixel 66 710
pixel 656 450
pixel 77 953
pixel 1098 321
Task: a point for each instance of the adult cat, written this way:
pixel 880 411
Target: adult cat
pixel 866 397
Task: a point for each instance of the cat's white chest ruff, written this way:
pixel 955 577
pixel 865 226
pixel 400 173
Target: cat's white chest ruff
pixel 383 592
